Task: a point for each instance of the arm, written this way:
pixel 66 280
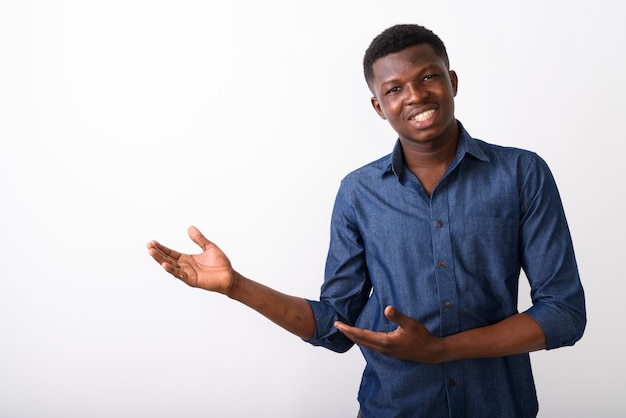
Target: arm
pixel 547 257
pixel 211 270
pixel 290 312
pixel 411 341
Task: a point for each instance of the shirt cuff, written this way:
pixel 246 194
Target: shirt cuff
pixel 326 335
pixel 558 326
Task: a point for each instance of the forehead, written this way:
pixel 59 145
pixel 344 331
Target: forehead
pixel 409 60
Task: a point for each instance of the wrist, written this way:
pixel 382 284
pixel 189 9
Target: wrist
pixel 234 285
pixel 443 350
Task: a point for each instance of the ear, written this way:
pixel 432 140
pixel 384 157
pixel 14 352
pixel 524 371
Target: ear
pixel 377 108
pixel 454 79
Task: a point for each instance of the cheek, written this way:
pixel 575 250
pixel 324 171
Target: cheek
pixel 392 108
pixel 450 90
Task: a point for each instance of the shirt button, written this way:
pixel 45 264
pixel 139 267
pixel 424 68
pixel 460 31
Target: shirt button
pixel 447 304
pixel 442 264
pixel 439 223
pixel 453 383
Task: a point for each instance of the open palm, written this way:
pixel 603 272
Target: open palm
pixel 210 270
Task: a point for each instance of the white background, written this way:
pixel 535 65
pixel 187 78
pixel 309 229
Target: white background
pixel 126 121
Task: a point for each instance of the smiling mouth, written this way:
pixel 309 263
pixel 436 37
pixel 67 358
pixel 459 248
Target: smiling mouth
pixel 424 115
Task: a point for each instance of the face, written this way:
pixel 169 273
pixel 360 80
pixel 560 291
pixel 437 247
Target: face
pixel 414 91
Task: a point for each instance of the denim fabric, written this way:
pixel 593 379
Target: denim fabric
pixel 452 261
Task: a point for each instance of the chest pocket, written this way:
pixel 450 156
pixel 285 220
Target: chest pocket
pixel 489 246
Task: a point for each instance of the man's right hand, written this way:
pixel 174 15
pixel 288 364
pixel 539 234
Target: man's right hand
pixel 210 270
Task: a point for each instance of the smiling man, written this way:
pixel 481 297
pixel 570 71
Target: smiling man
pixel 427 245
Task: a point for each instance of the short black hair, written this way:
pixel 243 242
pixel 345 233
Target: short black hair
pixel 395 39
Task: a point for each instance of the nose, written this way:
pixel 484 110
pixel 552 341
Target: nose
pixel 415 93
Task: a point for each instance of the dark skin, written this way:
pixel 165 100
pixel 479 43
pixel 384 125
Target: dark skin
pixel 414 91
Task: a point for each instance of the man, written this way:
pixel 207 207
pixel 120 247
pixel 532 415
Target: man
pixel 426 249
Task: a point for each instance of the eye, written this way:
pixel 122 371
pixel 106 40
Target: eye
pixel 430 77
pixel 393 90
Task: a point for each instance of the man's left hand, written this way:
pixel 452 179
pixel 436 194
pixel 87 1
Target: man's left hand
pixel 410 341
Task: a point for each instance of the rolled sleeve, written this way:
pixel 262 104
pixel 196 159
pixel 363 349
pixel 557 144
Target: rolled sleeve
pixel 561 325
pixel 326 335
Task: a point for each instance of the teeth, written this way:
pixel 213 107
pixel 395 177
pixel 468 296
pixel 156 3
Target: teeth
pixel 424 115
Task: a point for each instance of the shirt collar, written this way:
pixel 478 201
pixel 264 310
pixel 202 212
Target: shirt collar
pixel 466 145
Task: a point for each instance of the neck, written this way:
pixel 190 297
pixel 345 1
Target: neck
pixel 429 161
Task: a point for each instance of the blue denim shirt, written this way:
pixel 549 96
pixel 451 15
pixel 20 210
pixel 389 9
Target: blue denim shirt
pixel 452 261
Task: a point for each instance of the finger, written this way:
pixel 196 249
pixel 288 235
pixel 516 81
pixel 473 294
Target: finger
pixel 175 270
pixel 167 254
pixel 347 330
pixel 157 254
pixel 197 237
pixel 396 316
pixel 360 336
pixel 168 263
pixel 163 256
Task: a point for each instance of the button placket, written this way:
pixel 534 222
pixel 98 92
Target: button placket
pixel 443 260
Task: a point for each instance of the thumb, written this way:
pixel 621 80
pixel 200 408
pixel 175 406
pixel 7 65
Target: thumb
pixel 396 316
pixel 197 237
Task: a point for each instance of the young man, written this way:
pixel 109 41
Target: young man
pixel 426 249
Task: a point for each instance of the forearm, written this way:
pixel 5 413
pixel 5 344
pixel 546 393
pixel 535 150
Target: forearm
pixel 515 335
pixel 290 312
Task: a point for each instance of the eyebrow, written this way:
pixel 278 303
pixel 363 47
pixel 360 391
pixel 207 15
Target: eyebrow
pixel 392 81
pixel 422 69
